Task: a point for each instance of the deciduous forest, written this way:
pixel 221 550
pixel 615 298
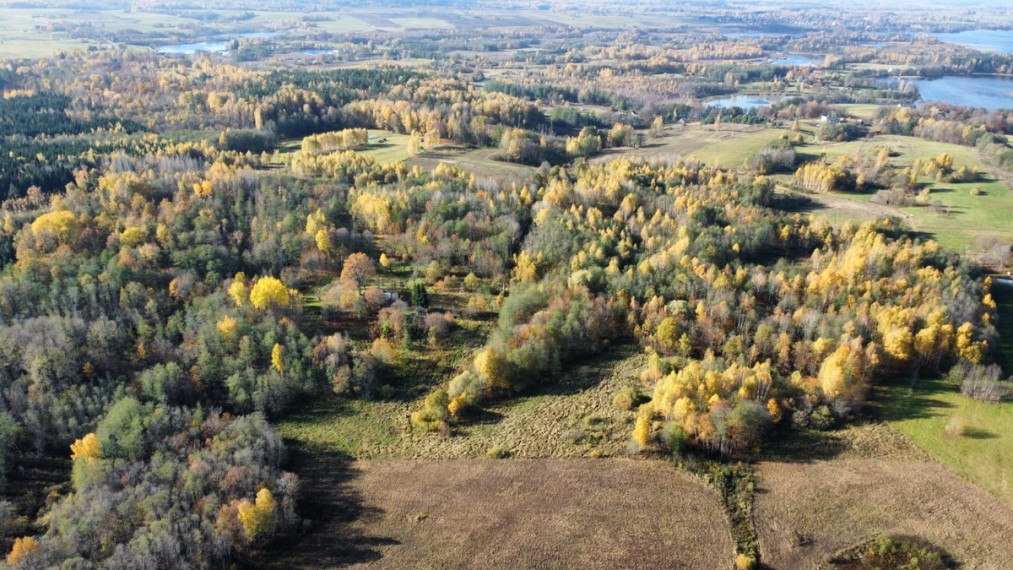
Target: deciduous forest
pixel 296 284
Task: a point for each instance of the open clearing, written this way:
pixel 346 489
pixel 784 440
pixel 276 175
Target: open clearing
pixel 984 455
pixel 546 513
pixel 479 161
pixel 573 417
pixel 805 511
pixel 963 219
pixel 729 146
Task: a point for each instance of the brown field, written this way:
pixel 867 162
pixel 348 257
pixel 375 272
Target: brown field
pixel 542 513
pixel 806 511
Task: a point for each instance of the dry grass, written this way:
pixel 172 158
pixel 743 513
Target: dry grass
pixel 571 417
pixel 727 146
pixel 807 511
pixel 839 208
pixel 546 513
pixel 478 161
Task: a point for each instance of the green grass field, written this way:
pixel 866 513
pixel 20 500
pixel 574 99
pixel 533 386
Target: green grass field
pixel 862 111
pixel 394 149
pixel 729 146
pixel 984 455
pixel 964 218
pixel 737 148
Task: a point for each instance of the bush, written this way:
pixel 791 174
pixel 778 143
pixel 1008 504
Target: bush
pixel 955 427
pixel 434 414
pixel 744 562
pixel 887 552
pixel 498 452
pixel 982 383
pixel 625 399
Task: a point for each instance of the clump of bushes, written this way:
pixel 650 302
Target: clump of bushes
pixel 890 552
pixel 983 383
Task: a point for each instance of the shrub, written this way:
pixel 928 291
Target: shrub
pixel 498 451
pixel 434 414
pixel 982 383
pixel 887 552
pixel 624 400
pixel 955 427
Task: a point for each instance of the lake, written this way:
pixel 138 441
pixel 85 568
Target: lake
pixel 990 93
pixel 744 102
pixel 999 41
pixel 798 59
pixel 317 51
pixel 214 46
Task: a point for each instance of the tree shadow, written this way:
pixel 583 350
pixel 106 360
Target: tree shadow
pixel 976 433
pixel 580 374
pixel 335 511
pixel 866 554
pixel 903 401
pixel 796 202
pixel 476 416
pixel 805 447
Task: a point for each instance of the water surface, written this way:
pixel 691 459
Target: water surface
pixel 989 93
pixel 745 102
pixel 216 45
pixel 998 41
pixel 798 59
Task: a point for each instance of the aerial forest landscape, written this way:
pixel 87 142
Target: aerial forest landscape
pixel 506 284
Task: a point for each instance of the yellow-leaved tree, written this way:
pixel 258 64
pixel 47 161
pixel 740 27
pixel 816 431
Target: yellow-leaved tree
pixel 323 241
pixel 238 290
pixel 22 547
pixel 63 225
pixel 276 357
pixel 258 517
pixel 269 292
pixel 87 448
pixel 227 326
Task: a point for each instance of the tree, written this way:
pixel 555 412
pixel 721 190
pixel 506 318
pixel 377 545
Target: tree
pixel 419 295
pixel 642 430
pixel 357 269
pixel 323 241
pixel 258 518
pixel 657 126
pixel 238 290
pixel 23 547
pixel 276 358
pixel 668 335
pixel 87 448
pixel 269 292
